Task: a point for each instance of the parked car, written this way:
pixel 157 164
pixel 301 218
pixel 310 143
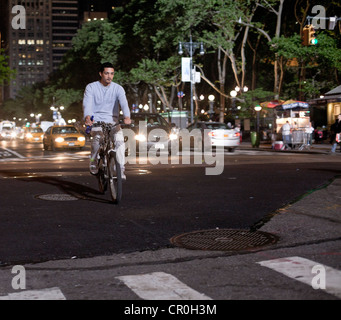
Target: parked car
pixel 214 134
pixel 34 135
pixel 59 137
pixel 152 131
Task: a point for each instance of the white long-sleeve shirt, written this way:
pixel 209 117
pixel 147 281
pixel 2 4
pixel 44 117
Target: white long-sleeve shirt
pixel 103 102
pixel 286 129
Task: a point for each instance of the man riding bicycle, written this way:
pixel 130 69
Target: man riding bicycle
pixel 101 104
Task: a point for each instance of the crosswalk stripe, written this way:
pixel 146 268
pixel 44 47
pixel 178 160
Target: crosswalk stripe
pixel 45 294
pixel 161 286
pixel 308 272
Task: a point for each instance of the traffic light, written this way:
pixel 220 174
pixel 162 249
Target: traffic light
pixel 309 36
pixel 312 36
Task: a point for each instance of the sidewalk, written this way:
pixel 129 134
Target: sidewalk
pixel 321 148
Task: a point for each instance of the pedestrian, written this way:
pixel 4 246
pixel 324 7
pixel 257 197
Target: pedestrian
pixel 335 130
pixel 101 103
pixel 309 129
pixel 286 134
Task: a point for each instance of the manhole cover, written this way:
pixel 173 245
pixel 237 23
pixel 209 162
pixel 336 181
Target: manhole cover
pixel 56 197
pixel 224 240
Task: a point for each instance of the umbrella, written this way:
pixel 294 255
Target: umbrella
pixel 271 104
pixel 292 104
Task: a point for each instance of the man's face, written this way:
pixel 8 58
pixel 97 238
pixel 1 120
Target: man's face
pixel 339 117
pixel 106 76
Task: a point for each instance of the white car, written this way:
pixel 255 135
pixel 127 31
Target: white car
pixel 8 135
pixel 214 134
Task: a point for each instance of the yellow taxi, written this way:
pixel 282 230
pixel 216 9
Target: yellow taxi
pixel 62 137
pixel 33 135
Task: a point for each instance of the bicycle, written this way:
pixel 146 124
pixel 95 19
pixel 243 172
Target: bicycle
pixel 109 169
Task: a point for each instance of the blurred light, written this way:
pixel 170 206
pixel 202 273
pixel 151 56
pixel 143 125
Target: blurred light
pixel 233 93
pixel 173 136
pixel 140 137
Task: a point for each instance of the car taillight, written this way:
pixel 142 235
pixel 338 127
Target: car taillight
pixel 237 134
pixel 211 134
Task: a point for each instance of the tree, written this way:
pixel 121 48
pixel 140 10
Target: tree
pixel 6 74
pixel 160 75
pixel 324 58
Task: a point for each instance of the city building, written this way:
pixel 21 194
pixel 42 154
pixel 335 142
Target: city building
pixel 36 34
pixel 29 42
pixel 39 33
pixel 326 108
pixel 65 23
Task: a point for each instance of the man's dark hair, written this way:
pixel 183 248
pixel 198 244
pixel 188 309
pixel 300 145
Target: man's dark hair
pixel 105 65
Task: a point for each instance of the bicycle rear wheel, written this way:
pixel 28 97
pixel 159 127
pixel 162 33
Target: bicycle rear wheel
pixel 115 178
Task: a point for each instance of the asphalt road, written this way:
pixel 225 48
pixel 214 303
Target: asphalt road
pixel 160 201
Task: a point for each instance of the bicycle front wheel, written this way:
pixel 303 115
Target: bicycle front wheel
pixel 115 178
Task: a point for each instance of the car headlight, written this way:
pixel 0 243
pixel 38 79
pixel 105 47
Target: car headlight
pixel 59 139
pixel 81 138
pixel 13 134
pixel 173 136
pixel 29 135
pixel 140 137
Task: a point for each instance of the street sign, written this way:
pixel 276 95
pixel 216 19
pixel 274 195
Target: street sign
pixel 186 69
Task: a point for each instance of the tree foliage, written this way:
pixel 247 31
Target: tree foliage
pixel 6 73
pixel 247 42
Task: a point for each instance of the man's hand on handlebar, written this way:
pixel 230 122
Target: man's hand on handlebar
pixel 88 121
pixel 127 120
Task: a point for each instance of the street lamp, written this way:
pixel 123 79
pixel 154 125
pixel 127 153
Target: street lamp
pixel 233 94
pixel 211 98
pixel 237 90
pixel 258 108
pixel 191 47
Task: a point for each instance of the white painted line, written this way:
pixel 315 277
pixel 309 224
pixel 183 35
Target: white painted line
pixel 308 272
pixel 45 294
pixel 15 153
pixel 161 286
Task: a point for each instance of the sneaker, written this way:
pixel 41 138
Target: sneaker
pixel 123 176
pixel 93 167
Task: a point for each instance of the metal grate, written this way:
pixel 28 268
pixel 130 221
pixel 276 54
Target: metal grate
pixel 224 240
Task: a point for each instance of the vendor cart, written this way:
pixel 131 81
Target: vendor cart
pixel 298 115
pixel 299 140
